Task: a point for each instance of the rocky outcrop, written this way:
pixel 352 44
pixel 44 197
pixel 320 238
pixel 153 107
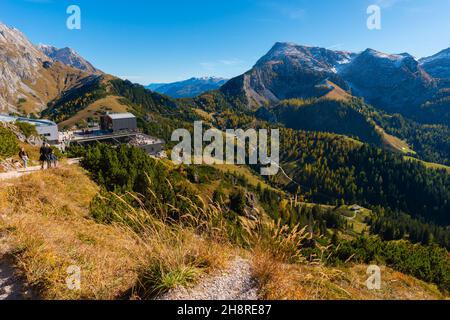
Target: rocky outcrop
pixel 438 65
pixel 68 57
pixel 28 78
pixel 288 71
pixel 35 141
pixel 389 81
pixel 393 82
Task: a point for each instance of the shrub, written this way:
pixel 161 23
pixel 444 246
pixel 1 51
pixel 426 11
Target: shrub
pixel 26 128
pixel 8 143
pixel 426 262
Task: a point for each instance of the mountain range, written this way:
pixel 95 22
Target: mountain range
pixel 367 128
pixel 68 57
pixel 188 88
pixel 33 76
pixel 28 78
pixel 391 82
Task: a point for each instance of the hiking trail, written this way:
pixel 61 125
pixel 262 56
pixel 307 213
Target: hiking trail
pixel 11 286
pixel 234 283
pixel 21 172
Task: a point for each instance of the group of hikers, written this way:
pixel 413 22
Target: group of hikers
pixel 47 156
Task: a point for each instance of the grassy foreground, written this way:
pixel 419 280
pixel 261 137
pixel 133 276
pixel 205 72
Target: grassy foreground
pixel 46 222
pixel 46 219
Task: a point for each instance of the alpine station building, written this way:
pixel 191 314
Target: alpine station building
pixel 116 122
pixel 120 128
pixel 46 128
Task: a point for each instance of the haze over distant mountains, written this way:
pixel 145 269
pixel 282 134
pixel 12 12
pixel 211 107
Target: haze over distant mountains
pixel 188 88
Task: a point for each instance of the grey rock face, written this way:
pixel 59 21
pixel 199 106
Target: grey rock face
pixel 438 65
pixel 388 81
pixel 392 82
pixel 68 57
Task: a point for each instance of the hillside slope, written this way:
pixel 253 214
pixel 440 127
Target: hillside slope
pixel 188 88
pixel 58 233
pixel 30 79
pixel 68 57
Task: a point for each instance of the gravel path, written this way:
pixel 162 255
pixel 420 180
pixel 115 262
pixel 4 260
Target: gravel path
pixel 17 174
pixel 11 287
pixel 234 283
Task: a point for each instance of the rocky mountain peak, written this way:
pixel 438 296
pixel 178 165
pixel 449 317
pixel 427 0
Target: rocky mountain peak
pixel 69 57
pixel 437 65
pixel 29 79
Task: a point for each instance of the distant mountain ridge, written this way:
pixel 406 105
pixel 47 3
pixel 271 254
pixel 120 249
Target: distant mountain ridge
pixel 28 78
pixel 188 88
pixel 392 82
pixel 437 65
pixel 69 57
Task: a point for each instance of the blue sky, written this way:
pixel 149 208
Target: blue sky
pixel 160 41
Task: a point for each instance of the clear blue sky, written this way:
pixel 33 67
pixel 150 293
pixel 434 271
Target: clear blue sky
pixel 159 41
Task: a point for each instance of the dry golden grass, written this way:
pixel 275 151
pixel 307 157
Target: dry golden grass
pixel 45 220
pixel 393 143
pixel 46 215
pixel 48 228
pixel 337 93
pixel 49 85
pixel 176 257
pixel 284 273
pixel 110 103
pixel 204 115
pixel 313 281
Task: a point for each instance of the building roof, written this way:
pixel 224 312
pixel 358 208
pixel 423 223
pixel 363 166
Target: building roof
pixel 117 116
pixel 36 122
pixel 4 118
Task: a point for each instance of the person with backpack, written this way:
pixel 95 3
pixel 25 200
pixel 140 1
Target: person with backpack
pixel 43 155
pixel 52 158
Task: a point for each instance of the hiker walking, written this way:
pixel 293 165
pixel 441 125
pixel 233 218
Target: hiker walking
pixel 42 155
pixel 52 158
pixel 24 156
pixel 48 155
pixel 45 156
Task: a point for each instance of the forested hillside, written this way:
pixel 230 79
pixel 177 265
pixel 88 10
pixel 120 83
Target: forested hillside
pixel 326 116
pixel 176 191
pixel 328 168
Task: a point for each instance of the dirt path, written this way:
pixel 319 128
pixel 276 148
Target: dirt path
pixel 11 286
pixel 19 173
pixel 234 283
pixel 16 174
